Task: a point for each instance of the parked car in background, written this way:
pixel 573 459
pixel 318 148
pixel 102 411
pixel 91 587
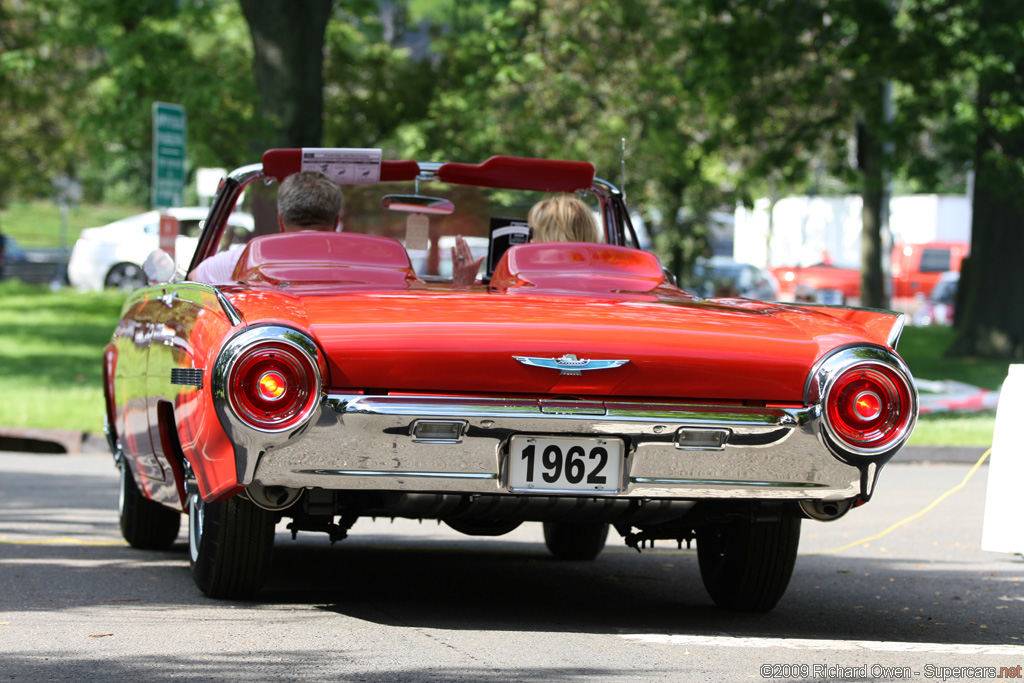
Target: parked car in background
pixel 34 265
pixel 822 283
pixel 721 276
pixel 915 270
pixel 112 255
pixel 939 308
pixel 918 268
pixel 577 388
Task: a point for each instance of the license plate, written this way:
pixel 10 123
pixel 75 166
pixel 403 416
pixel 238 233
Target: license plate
pixel 541 463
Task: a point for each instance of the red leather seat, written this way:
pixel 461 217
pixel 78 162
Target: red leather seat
pixel 341 258
pixel 577 267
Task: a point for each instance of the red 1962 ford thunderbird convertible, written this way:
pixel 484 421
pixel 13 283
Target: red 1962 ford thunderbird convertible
pixel 572 385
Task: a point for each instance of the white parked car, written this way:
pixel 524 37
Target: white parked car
pixel 112 255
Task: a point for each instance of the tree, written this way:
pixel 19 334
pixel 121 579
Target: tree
pixel 288 54
pixel 79 80
pixel 378 76
pixel 991 46
pixel 573 79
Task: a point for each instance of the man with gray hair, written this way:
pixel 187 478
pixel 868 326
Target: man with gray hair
pixel 306 201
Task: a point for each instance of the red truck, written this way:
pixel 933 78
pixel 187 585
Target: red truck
pixel 915 269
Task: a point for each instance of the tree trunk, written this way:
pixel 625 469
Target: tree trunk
pixel 990 323
pixel 871 160
pixel 288 41
pixel 990 320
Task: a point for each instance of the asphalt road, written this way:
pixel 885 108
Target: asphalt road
pixel 406 601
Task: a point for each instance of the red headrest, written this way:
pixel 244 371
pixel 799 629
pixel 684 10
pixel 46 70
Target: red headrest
pixel 521 173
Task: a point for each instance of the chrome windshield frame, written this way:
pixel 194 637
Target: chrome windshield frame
pixel 613 209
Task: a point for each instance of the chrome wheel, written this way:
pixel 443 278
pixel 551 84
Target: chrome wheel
pixel 196 510
pixel 125 277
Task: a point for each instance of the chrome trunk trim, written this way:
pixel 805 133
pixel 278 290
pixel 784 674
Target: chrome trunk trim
pixel 358 442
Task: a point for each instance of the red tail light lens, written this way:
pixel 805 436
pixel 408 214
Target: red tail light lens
pixel 272 386
pixel 869 407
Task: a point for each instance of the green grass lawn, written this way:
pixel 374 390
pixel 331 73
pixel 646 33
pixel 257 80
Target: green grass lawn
pixel 37 224
pixel 51 346
pixel 922 349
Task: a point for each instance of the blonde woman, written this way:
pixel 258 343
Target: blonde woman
pixel 562 218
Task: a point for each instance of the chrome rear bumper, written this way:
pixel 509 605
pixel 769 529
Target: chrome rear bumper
pixel 361 442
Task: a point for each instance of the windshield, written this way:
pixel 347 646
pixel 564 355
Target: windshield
pixel 428 237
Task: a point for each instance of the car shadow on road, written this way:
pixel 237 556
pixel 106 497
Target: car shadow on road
pixel 496 584
pixel 509 587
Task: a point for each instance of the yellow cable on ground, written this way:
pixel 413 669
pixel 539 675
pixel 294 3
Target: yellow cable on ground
pixel 60 541
pixel 914 516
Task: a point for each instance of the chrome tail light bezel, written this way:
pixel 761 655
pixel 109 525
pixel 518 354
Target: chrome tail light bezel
pixel 303 355
pixel 826 380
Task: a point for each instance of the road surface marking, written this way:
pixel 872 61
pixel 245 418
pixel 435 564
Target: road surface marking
pixel 834 645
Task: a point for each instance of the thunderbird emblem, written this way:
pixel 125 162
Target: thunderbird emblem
pixel 569 364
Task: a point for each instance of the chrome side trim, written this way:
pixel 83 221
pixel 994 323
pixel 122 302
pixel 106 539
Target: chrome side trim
pixel 403 474
pixel 897 330
pixel 234 317
pixel 725 482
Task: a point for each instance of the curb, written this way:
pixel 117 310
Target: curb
pixel 951 454
pixel 51 441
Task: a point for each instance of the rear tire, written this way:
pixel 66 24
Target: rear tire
pixel 145 524
pixel 230 546
pixel 747 565
pixel 575 541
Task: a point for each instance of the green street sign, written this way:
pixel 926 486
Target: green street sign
pixel 169 136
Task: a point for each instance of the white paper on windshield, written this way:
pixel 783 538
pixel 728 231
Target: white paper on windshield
pixel 346 166
pixel 417 231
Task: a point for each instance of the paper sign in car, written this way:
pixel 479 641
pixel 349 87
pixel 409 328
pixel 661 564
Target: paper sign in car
pixel 347 166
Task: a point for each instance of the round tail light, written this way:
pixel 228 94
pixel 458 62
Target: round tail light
pixel 869 407
pixel 272 386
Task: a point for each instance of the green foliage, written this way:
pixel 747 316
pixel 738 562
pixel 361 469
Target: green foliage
pixel 79 80
pixel 718 101
pixel 373 85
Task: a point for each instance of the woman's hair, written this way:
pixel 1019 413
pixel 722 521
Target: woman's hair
pixel 309 198
pixel 563 218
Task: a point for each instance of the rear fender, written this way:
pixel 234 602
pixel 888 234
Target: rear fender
pixel 882 327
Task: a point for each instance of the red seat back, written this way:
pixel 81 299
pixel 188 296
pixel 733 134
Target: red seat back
pixel 577 267
pixel 325 257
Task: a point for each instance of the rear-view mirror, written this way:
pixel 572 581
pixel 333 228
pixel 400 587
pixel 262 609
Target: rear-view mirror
pixel 414 203
pixel 159 267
